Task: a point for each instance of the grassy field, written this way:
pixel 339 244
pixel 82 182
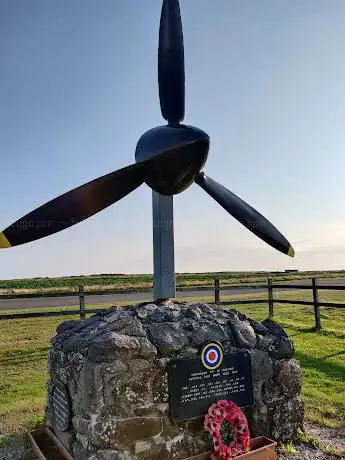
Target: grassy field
pixel 24 345
pixel 124 282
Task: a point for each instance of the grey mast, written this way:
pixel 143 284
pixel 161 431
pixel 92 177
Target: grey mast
pixel 164 285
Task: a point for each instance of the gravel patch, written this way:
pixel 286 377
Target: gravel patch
pixel 328 437
pixel 307 453
pixel 16 452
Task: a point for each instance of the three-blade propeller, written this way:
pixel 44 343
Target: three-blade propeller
pixel 82 202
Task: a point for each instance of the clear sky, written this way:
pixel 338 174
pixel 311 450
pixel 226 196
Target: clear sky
pixel 265 79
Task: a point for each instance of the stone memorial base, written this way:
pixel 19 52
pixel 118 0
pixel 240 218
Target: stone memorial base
pixel 108 395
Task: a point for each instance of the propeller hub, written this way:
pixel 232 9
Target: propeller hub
pixel 180 151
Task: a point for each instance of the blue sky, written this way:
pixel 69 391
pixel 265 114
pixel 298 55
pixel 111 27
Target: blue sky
pixel 264 79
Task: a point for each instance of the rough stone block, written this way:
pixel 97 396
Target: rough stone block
pixel 262 368
pixel 114 366
pixel 122 433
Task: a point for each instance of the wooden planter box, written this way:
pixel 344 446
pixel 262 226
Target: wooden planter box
pixel 47 446
pixel 261 449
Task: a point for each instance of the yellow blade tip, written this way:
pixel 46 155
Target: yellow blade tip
pixel 291 252
pixel 4 243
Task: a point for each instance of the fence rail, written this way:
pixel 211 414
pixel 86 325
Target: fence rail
pixel 75 292
pixel 217 288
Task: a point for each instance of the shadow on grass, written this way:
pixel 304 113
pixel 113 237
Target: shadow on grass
pixel 328 368
pixel 26 356
pixel 335 354
pixel 302 329
pixel 298 330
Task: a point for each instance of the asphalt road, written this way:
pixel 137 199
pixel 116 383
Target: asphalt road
pixel 71 301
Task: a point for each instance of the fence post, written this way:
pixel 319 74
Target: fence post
pixel 270 298
pixel 216 290
pixel 81 302
pixel 316 304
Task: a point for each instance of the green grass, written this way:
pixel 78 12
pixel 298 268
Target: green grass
pixel 24 345
pixel 321 355
pixel 304 438
pixel 140 281
pixel 287 448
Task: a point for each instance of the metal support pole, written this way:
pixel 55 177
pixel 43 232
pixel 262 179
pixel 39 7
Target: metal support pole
pixel 164 285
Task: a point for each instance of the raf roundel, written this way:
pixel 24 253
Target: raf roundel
pixel 212 355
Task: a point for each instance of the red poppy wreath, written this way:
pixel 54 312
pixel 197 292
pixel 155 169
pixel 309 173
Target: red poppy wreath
pixel 217 414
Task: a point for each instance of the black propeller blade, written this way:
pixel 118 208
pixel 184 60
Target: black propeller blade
pixel 171 76
pixel 245 214
pixel 74 206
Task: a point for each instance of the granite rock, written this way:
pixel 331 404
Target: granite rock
pixel 167 337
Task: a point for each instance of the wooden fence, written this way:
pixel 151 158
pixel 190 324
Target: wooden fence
pixel 269 287
pixel 314 286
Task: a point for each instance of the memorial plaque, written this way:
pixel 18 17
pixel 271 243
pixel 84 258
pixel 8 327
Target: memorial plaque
pixel 193 388
pixel 61 407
